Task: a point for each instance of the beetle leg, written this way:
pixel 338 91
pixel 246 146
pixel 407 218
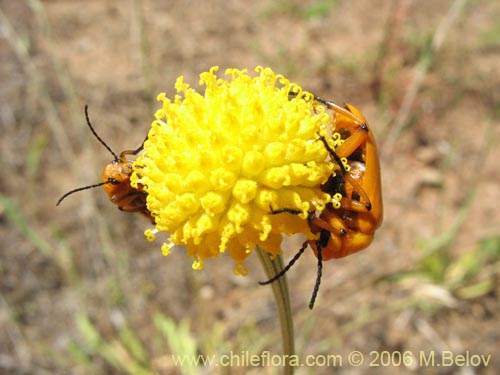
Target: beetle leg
pixel 133 201
pixel 131 208
pixel 339 244
pixel 357 123
pixel 367 205
pixel 353 205
pixel 347 112
pixel 142 210
pixel 359 135
pixel 132 195
pixel 334 224
pixel 133 152
pixel 353 142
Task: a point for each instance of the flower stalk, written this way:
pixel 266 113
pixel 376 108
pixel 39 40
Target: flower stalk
pixel 271 267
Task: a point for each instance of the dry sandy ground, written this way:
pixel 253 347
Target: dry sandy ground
pixel 425 73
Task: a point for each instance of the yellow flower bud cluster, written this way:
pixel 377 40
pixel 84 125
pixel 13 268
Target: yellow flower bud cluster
pixel 216 164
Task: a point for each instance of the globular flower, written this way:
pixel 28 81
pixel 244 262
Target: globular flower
pixel 217 164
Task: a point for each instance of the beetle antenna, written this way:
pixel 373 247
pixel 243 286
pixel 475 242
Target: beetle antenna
pixel 346 175
pixel 333 154
pixel 97 135
pixel 287 267
pixel 82 188
pixel 318 276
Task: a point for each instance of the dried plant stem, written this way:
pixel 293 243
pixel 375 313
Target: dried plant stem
pixel 36 81
pixel 421 70
pixel 143 48
pixel 282 299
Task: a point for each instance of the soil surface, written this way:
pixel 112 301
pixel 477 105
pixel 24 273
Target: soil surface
pixel 80 287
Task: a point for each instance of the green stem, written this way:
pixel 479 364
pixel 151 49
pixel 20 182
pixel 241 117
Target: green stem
pixel 282 299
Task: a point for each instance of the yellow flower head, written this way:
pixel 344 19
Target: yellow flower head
pixel 215 165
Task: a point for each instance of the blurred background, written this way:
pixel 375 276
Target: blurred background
pixel 82 292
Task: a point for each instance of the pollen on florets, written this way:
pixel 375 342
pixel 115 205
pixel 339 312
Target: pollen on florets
pixel 216 164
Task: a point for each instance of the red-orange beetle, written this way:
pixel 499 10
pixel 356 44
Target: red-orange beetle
pixel 350 228
pixel 116 180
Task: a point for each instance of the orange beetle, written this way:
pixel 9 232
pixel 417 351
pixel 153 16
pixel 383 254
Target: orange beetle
pixel 351 227
pixel 116 180
pixel 361 211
